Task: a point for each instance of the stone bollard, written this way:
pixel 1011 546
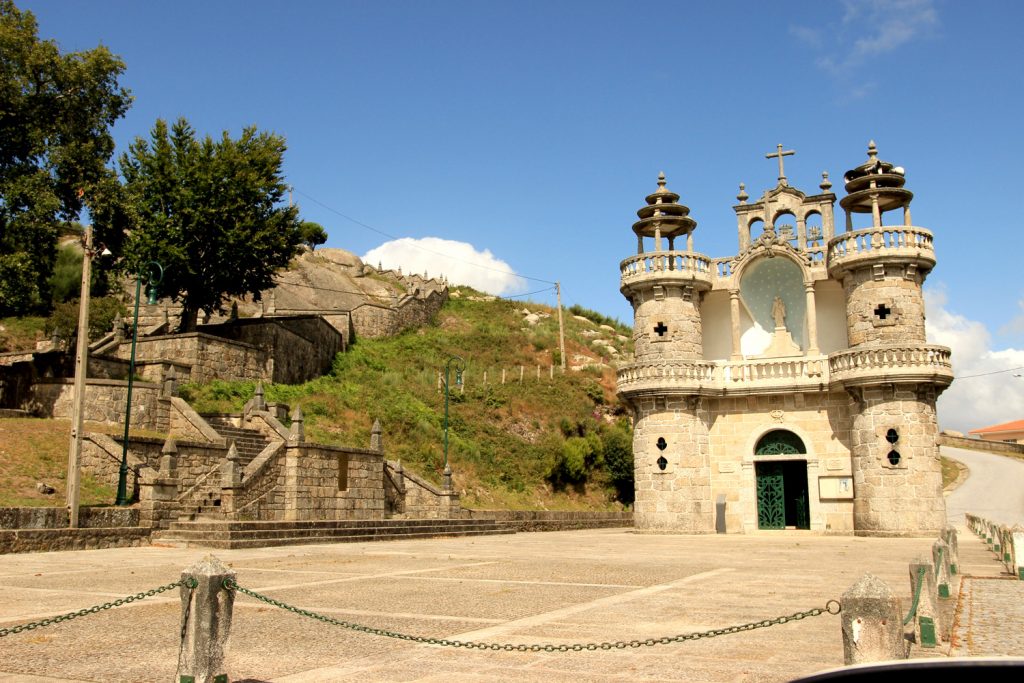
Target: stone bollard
pixel 940 562
pixel 1017 551
pixel 205 622
pixel 949 536
pixel 297 433
pixel 1006 541
pixel 927 616
pixel 872 623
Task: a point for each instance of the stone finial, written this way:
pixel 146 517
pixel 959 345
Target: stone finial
pixel 234 310
pixel 872 150
pixel 743 196
pixel 826 184
pixel 447 478
pixel 169 459
pixel 230 470
pixel 872 623
pixel 297 434
pixel 170 383
pixel 376 443
pixel 259 403
pixel 661 182
pixel 118 328
pixel 206 610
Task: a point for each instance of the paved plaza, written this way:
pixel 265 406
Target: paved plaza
pixel 551 588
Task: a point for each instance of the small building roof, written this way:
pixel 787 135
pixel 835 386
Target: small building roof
pixel 1014 426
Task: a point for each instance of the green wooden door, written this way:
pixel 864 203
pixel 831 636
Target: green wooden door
pixel 771 496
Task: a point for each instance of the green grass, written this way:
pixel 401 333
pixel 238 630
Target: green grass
pixel 20 334
pixel 505 440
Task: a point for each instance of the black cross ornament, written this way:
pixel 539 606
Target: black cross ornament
pixel 882 311
pixel 660 329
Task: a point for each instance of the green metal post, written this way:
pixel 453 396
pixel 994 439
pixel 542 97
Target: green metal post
pixel 460 365
pixel 122 473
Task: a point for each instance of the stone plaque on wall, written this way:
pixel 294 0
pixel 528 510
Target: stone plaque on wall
pixel 836 488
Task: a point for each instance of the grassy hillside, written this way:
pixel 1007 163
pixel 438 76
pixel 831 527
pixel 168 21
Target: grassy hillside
pixel 552 442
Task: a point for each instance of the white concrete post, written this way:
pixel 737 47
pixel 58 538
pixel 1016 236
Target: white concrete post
pixel 1017 551
pixel 872 623
pixel 205 622
pixel 927 626
pixel 949 536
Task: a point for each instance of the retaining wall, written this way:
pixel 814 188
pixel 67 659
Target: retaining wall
pixel 557 520
pixel 979 445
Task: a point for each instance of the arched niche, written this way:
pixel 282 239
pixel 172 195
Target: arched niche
pixel 760 282
pixel 780 442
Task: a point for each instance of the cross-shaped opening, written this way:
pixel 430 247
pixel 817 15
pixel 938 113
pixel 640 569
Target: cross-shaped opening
pixel 660 329
pixel 883 311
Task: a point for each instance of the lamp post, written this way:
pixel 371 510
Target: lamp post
pixel 460 365
pixel 155 274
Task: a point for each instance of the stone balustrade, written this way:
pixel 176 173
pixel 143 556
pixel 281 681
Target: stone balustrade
pixel 684 266
pixel 854 367
pixel 891 363
pixel 889 241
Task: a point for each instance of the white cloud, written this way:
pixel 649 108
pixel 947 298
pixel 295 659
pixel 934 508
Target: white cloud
pixel 975 399
pixel 460 262
pixel 868 29
pixel 1016 324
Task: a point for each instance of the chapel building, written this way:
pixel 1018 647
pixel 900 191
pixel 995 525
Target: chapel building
pixel 790 386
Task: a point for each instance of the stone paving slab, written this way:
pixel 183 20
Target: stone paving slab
pixel 553 588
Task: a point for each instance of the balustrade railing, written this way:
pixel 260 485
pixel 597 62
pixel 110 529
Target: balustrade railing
pixel 881 364
pixel 877 240
pixel 898 357
pixel 684 263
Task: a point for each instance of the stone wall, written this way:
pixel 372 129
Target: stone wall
pixel 822 422
pixel 297 348
pixel 373 320
pixel 675 316
pixel 556 520
pixel 326 482
pixel 980 445
pixel 52 540
pixel 105 401
pixel 417 498
pixel 902 498
pixel 211 357
pixel 678 496
pixel 57 518
pixel 866 289
pixel 261 495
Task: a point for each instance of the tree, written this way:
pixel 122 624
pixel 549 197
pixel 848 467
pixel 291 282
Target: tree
pixel 210 213
pixel 313 234
pixel 55 116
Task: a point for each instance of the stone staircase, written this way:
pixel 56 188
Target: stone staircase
pixel 248 442
pixel 237 534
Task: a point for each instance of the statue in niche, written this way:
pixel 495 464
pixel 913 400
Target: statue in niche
pixel 779 312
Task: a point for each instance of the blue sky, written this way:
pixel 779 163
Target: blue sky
pixel 531 131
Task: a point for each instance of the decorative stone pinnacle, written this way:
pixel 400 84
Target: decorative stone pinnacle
pixel 297 434
pixel 661 182
pixel 826 184
pixel 743 196
pixel 872 150
pixel 169 446
pixel 232 451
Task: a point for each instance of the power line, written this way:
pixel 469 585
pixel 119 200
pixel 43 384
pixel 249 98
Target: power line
pixel 417 246
pixel 994 372
pixel 516 296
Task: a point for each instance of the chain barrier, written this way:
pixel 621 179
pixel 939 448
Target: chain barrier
pixel 831 607
pixel 190 583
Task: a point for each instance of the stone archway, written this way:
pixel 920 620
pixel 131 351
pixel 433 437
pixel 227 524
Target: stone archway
pixel 781 479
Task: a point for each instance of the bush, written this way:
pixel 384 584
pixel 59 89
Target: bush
pixel 102 310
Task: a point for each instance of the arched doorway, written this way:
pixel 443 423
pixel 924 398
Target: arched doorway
pixel 781 482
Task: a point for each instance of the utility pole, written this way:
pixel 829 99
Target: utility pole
pixel 81 369
pixel 561 326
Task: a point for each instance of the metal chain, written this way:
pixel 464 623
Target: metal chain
pixel 189 582
pixel 831 607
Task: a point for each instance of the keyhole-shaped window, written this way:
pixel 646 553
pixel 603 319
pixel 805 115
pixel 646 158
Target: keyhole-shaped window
pixel 661 444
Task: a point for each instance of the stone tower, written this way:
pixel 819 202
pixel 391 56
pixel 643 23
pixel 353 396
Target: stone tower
pixel 894 437
pixel 790 385
pixel 671 433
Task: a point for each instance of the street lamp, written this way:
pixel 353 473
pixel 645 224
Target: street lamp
pixel 154 274
pixel 460 366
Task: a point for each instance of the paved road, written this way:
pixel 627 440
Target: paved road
pixel 994 490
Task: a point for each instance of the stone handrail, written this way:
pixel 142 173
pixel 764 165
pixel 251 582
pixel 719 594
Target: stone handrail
pixel 887 240
pixel 722 267
pixel 890 362
pixel 773 370
pixel 685 265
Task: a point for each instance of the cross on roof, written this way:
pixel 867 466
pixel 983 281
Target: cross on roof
pixel 780 154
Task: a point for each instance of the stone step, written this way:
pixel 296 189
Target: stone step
pixel 249 525
pixel 229 544
pixel 327 533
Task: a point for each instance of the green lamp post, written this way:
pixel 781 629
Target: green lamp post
pixel 460 366
pixel 153 273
